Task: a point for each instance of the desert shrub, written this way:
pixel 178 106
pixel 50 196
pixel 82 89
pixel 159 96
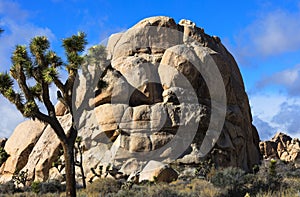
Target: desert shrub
pixel 52 186
pixel 3 156
pixel 203 188
pixel 159 190
pixel 195 187
pixel 292 182
pixel 104 186
pixel 20 178
pixel 273 179
pixel 151 190
pixel 267 179
pixel 232 179
pixel 125 193
pixel 7 188
pixel 36 187
pixel 31 194
pixel 293 172
pixel 206 169
pixel 284 193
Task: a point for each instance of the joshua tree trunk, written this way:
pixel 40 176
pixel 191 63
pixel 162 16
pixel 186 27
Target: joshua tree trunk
pixel 70 164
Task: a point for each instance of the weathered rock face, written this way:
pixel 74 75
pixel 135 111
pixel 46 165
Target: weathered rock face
pixel 156 104
pixel 20 145
pixel 163 63
pixel 45 152
pixel 282 147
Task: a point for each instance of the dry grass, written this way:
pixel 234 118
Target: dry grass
pixel 290 187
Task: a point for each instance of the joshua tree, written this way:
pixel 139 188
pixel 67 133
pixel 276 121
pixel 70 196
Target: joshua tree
pixel 41 68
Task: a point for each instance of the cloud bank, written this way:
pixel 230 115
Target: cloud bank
pixel 10 118
pixel 17 30
pixel 271 33
pixel 288 80
pixel 275 112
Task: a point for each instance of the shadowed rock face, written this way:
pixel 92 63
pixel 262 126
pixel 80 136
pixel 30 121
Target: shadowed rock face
pixel 155 93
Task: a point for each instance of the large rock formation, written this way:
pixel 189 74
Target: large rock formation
pixel 158 102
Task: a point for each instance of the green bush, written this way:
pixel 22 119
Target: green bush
pixel 161 190
pixel 203 188
pixel 3 156
pixel 104 186
pixel 151 190
pixel 231 179
pixel 125 193
pixel 267 179
pixel 205 169
pixel 36 187
pixel 7 188
pixel 52 186
pixel 20 178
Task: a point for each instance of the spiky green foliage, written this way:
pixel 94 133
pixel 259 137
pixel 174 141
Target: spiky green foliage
pixel 6 89
pixel 49 74
pixel 37 91
pixel 21 61
pixel 73 46
pixel 40 66
pixel 5 82
pixel 53 59
pixel 39 45
pixel 30 109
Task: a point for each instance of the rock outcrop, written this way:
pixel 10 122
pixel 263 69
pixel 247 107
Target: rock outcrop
pixel 158 172
pixel 157 102
pixel 45 152
pixel 20 145
pixel 282 147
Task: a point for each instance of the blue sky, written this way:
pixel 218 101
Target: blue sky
pixel 263 36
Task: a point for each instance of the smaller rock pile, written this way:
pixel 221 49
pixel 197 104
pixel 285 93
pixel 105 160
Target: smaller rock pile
pixel 282 147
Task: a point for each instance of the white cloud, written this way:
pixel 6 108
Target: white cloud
pixel 20 34
pixel 289 79
pixel 266 105
pixel 275 112
pixel 272 33
pixel 13 11
pixel 17 30
pixel 10 118
pixel 289 118
pixel 266 131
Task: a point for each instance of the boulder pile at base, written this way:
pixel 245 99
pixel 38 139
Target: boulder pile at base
pixel 145 104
